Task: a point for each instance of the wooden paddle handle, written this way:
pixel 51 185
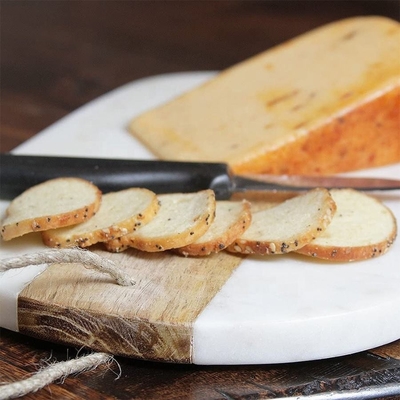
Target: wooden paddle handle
pixel 19 172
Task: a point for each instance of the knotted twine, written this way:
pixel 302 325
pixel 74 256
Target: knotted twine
pixel 62 369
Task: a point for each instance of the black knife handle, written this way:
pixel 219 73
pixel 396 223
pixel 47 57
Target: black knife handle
pixel 19 172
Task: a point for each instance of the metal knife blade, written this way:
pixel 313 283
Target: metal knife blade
pixel 19 172
pixel 303 182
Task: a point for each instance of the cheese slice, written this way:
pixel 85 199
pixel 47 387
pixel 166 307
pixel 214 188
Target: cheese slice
pixel 324 102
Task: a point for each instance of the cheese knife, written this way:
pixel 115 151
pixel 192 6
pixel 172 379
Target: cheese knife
pixel 19 172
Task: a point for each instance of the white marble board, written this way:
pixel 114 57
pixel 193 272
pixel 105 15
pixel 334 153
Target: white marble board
pixel 271 310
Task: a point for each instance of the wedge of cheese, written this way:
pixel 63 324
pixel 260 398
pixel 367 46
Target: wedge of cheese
pixel 327 101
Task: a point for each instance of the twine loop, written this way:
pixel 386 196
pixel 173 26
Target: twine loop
pixel 76 255
pixel 62 369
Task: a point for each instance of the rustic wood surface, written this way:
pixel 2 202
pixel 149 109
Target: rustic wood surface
pixel 69 304
pixel 55 57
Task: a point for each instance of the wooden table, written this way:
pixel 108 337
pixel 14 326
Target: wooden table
pixel 55 57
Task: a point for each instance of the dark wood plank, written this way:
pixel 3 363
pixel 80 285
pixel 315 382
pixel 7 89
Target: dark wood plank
pixel 20 355
pixel 390 350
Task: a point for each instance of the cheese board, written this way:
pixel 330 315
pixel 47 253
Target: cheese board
pixel 219 310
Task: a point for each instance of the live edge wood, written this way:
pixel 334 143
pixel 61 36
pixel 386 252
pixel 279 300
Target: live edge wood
pixel 151 320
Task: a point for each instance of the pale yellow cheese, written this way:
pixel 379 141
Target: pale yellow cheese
pixel 267 109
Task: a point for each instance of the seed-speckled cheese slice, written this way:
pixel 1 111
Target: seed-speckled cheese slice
pixel 52 204
pixel 287 226
pixel 232 218
pixel 361 228
pixel 181 219
pixel 120 213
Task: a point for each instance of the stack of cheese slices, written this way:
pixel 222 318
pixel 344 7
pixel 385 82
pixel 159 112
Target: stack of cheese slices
pixel 341 224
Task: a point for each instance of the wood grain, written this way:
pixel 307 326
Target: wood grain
pixel 151 380
pixel 390 350
pixel 151 320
